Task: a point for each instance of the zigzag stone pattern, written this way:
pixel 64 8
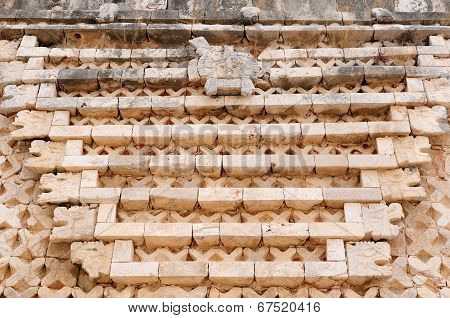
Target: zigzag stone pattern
pixel 277 158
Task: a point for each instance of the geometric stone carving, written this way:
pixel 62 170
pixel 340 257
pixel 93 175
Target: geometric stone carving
pixel 41 218
pixel 428 121
pixel 34 125
pixel 222 70
pixel 73 224
pixel 367 260
pixel 427 270
pixel 7 240
pixel 59 273
pixel 31 244
pixel 48 156
pixel 94 257
pixel 396 185
pixel 25 274
pixel 10 217
pixel 411 151
pixel 172 292
pixel 378 218
pixel 422 241
pixel 60 188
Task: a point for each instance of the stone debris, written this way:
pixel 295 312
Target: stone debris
pixel 246 154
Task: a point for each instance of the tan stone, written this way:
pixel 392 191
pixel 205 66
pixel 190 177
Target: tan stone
pixel 80 163
pixel 281 133
pixel 98 106
pixel 94 257
pixel 109 232
pixel 209 165
pixel 135 198
pixel 369 179
pixel 172 235
pixel 232 273
pixel 66 133
pixel 325 274
pixel 89 179
pixel 183 273
pixel 335 250
pixel 47 156
pixel 206 235
pixel 428 121
pixel 263 199
pixel 204 105
pixel 112 135
pixel 412 151
pixel 220 199
pixel 100 195
pixel 322 231
pixel 331 164
pixel 172 165
pixel 129 165
pixel 288 104
pixel 336 197
pixel 287 274
pixel 292 165
pixel 246 165
pixel 107 213
pixel 174 199
pixel 313 133
pixel 158 135
pixel 73 224
pixel 34 125
pixel 347 132
pixel 302 198
pixel 60 188
pixel 284 234
pixel 240 234
pixel 194 135
pixel 134 273
pixel 238 135
pixel 123 251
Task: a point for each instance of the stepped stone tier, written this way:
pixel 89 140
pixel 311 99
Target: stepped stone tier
pixel 168 148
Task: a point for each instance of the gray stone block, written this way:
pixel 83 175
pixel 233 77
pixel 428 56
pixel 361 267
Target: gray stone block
pixel 78 79
pixel 33 16
pixel 166 34
pixel 110 79
pixel 343 76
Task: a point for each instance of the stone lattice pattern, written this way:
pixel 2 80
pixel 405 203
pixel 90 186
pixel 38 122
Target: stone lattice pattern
pixel 126 173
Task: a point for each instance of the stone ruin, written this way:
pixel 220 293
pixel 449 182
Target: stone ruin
pixel 224 149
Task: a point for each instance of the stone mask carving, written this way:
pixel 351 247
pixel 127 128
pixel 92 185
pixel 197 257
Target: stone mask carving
pixel 222 70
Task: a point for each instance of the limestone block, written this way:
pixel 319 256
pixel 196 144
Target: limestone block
pixel 429 271
pixel 220 199
pixel 414 85
pixel 168 105
pixel 288 104
pixel 123 251
pixel 183 273
pixel 428 121
pixel 381 75
pixel 172 165
pixel 397 185
pixel 349 35
pixel 17 98
pixel 369 179
pixel 302 198
pixel 80 163
pixel 313 133
pixel 346 76
pixel 111 79
pixel 292 165
pixel 112 135
pixel 110 232
pixel 303 35
pixel 385 146
pixel 263 199
pixel 209 165
pixel 74 148
pixel 363 162
pixel 138 107
pixel 362 103
pixel 175 78
pixel 106 55
pixel 32 125
pixel 61 118
pixel 304 77
pixel 378 219
pixel 411 151
pixel 390 128
pixel 325 53
pixel 335 250
pixel 398 113
pixel 107 213
pixel 287 274
pixel 244 106
pixel 134 273
pixel 45 292
pixel 218 33
pixel 87 55
pixel 157 135
pixel 194 135
pixel 100 195
pixel 362 53
pixel 322 231
pixel 204 105
pixel 133 199
pixel 232 273
pixel 78 79
pixel 73 224
pixel 410 99
pixel 60 188
pixel 353 213
pixel 47 156
pixel 240 234
pixel 12 72
pixel 281 133
pixel 347 132
pixel 47 90
pixel 89 179
pixel 336 197
pixel 148 54
pixel 246 165
pixel 367 260
pixel 40 76
pixel 58 55
pixel 284 234
pixel 65 133
pixel 54 103
pixel 174 199
pixel 270 54
pixel 333 104
pixel 262 35
pixel 172 235
pixel 437 92
pixel 331 164
pixel 325 274
pixel 24 53
pixel 94 257
pixel 206 235
pixel 130 165
pixel 238 135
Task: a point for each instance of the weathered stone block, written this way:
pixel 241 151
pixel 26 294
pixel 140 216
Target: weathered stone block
pixel 172 235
